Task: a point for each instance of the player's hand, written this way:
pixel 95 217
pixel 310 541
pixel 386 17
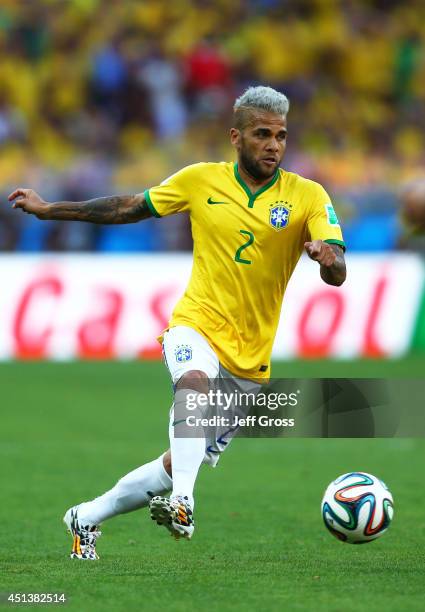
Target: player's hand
pixel 320 251
pixel 29 201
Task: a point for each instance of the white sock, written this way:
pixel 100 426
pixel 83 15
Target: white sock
pixel 131 492
pixel 186 453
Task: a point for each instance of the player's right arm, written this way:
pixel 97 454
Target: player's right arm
pixel 107 210
pixel 170 197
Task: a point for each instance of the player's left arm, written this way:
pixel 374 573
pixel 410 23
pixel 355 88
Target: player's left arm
pixel 331 259
pixel 325 243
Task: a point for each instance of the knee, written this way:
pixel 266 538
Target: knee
pixel 166 461
pixel 194 379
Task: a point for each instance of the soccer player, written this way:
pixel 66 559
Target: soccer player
pixel 251 221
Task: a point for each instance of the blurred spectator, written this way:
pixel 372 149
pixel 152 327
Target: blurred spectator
pixel 114 95
pixel 163 81
pixel 9 227
pixel 412 209
pixel 209 79
pixel 12 124
pixel 109 80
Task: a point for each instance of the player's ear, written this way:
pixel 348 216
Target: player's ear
pixel 235 137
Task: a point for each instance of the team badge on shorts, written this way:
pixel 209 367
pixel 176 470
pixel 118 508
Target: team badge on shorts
pixel 279 215
pixel 183 353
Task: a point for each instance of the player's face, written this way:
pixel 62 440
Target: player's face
pixel 261 144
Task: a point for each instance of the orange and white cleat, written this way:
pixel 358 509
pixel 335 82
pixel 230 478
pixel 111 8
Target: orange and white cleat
pixel 84 536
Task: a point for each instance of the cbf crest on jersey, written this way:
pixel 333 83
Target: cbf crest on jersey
pixel 183 353
pixel 279 215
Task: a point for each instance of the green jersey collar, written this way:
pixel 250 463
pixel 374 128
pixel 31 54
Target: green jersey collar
pixel 253 196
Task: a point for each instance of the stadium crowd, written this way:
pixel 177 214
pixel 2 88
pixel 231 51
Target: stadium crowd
pixel 112 96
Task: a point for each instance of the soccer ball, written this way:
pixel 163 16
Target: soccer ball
pixel 357 507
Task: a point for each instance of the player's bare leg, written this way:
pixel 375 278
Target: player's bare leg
pixel 133 491
pixel 176 513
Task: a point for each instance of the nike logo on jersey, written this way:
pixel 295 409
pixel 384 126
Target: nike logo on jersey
pixel 211 201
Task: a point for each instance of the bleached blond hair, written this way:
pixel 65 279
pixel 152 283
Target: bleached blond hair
pixel 259 98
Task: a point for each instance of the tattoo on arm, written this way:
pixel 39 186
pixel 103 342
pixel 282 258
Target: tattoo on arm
pixel 337 273
pixel 108 210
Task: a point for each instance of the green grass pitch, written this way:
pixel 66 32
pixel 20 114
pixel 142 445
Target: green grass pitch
pixel 69 431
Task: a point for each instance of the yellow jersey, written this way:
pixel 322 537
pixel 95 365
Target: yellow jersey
pixel 246 246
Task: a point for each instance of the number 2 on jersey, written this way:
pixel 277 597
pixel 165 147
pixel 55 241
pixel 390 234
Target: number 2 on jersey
pixel 250 240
